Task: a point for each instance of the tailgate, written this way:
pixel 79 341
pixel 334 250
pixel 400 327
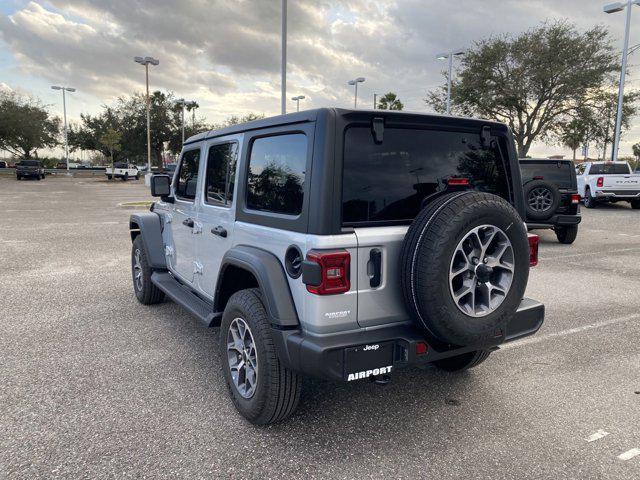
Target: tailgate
pixel 380 298
pixel 621 182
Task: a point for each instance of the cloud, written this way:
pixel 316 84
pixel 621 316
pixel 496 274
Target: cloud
pixel 226 54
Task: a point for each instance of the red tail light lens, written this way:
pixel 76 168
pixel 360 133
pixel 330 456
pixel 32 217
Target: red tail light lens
pixel 534 241
pixel 575 198
pixel 334 271
pixel 458 181
pixel 421 348
pixel 600 182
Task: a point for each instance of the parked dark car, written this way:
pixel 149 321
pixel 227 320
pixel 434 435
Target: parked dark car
pixel 29 169
pixel 3 164
pixel 551 197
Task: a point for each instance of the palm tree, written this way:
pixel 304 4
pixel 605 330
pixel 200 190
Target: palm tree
pixel 390 101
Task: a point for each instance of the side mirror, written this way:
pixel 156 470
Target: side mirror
pixel 160 186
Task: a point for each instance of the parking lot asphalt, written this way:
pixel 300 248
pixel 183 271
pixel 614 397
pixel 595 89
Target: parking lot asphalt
pixel 95 385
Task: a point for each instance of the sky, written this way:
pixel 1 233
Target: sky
pixel 225 54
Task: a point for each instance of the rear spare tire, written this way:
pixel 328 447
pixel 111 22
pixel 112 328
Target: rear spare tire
pixel 541 199
pixel 464 267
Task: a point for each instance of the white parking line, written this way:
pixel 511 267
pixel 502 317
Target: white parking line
pixel 597 436
pixel 629 454
pixel 570 331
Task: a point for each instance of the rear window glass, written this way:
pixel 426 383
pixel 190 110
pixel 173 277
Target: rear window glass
pixel 30 163
pixel 558 173
pixel 388 182
pixel 276 174
pixel 609 169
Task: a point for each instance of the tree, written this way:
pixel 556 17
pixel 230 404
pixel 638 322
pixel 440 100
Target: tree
pixel 574 133
pixel 111 141
pixel 26 125
pixel 532 82
pixel 636 151
pixel 390 101
pixel 604 105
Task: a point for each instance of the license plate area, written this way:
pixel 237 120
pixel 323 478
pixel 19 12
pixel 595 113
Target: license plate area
pixel 365 360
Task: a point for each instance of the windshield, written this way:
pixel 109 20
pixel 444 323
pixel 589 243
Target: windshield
pixel 389 181
pixel 610 169
pixel 559 173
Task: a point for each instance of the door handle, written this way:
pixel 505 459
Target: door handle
pixel 188 222
pixel 220 231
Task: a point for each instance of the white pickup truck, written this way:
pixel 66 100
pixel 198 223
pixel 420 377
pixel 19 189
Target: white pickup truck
pixel 123 171
pixel 608 182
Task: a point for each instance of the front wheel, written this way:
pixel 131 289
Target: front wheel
pixel 261 388
pixel 567 234
pixel 125 177
pixel 462 362
pixel 109 177
pixel 18 177
pixel 146 292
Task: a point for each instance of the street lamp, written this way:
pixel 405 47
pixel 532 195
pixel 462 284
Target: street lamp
pixel 297 100
pixel 355 83
pixel 614 8
pixel 146 61
pixel 283 63
pixel 182 103
pixel 449 56
pixel 64 109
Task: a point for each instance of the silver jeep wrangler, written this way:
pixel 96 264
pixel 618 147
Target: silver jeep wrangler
pixel 341 244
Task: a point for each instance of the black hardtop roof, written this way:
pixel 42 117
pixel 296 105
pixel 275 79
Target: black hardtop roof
pixel 312 115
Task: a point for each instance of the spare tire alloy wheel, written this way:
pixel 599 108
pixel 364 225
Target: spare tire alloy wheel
pixel 464 268
pixel 481 270
pixel 242 358
pixel 540 199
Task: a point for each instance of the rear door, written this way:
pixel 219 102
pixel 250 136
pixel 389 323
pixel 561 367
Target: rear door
pixel 560 173
pixel 217 215
pixel 385 186
pixel 184 216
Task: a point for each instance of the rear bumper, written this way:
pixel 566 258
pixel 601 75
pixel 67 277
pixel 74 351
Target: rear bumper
pixel 328 356
pixel 555 221
pixel 618 194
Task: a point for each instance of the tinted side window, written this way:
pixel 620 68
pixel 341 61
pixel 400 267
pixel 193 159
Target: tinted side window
pixel 389 181
pixel 188 175
pixel 221 173
pixel 276 174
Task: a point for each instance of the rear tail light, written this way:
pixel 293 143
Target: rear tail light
pixel 458 181
pixel 333 276
pixel 421 348
pixel 600 182
pixel 534 240
pixel 575 198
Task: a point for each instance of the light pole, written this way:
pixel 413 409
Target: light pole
pixel 297 100
pixel 283 65
pixel 146 61
pixel 64 110
pixel 182 104
pixel 449 56
pixel 613 8
pixel 355 83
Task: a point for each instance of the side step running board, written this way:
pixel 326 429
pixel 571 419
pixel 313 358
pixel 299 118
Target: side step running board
pixel 183 296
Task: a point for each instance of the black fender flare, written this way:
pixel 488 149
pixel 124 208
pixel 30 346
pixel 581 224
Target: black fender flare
pixel 148 225
pixel 272 281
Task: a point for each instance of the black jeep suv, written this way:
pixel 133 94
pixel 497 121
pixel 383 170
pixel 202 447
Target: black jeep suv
pixel 551 197
pixel 29 168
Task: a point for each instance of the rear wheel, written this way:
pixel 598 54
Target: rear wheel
pixel 462 362
pixel 589 201
pixel 261 388
pixel 18 177
pixel 109 177
pixel 146 291
pixel 567 234
pixel 635 204
pixel 125 177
